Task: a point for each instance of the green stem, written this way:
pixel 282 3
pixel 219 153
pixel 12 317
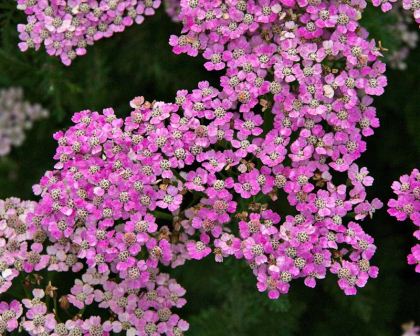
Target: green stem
pixel 56 307
pixel 162 215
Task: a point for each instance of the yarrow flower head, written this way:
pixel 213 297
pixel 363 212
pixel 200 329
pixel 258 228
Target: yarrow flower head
pixel 16 116
pixel 9 315
pixel 20 246
pixel 213 172
pixel 297 119
pixel 66 28
pixel 407 207
pixel 142 297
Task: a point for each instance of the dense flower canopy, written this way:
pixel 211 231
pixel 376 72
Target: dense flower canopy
pixel 143 298
pixel 66 28
pixel 407 207
pixel 296 92
pixel 262 168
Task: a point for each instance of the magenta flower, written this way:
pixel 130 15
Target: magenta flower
pixel 66 28
pixel 177 181
pixel 385 5
pixel 38 320
pixel 247 185
pixel 414 257
pixel 197 250
pixel 170 199
pixel 81 294
pixel 407 206
pixel 10 314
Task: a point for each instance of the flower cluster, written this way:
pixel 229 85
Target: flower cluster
pixel 412 6
pixel 19 248
pixel 212 172
pixel 262 169
pixel 407 207
pixel 290 119
pixel 66 27
pixel 167 184
pixel 142 298
pixel 151 314
pixel 407 38
pixel 16 116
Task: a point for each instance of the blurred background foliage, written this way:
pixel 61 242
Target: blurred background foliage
pixel 222 299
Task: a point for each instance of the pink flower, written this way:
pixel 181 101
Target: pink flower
pixel 38 321
pixel 11 313
pixel 197 250
pixel 81 294
pixel 407 206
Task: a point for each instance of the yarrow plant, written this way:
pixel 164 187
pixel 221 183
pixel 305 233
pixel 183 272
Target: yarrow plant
pixel 262 169
pixel 407 207
pixel 143 299
pixel 16 116
pixel 14 240
pixel 296 94
pixel 67 27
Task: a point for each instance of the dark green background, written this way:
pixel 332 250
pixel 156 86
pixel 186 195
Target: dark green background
pixel 222 299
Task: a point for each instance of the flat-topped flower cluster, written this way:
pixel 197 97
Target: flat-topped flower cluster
pixel 66 28
pixel 262 169
pixel 407 207
pixel 290 120
pixel 142 298
pixel 16 117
